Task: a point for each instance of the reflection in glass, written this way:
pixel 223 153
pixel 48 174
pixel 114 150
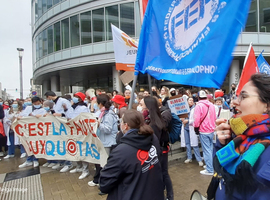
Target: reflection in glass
pixel 138 19
pixel 264 15
pixel 65 33
pixel 127 18
pixel 98 25
pixel 75 31
pixel 39 8
pixel 49 4
pixel 37 48
pixel 86 28
pixel 57 37
pixel 50 39
pixel 40 41
pixel 45 42
pixel 111 18
pixel 251 24
pixel 56 2
pixel 44 6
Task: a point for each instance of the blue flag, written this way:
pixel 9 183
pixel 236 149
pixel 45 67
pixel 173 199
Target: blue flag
pixel 263 65
pixel 190 41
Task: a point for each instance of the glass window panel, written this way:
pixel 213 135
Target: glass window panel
pixel 40 42
pixel 50 39
pixel 49 4
pixel 57 37
pixel 44 6
pixel 45 42
pixel 264 12
pixel 75 31
pixel 55 2
pixel 39 8
pixel 37 49
pixel 111 18
pixel 86 28
pixel 138 19
pixel 127 19
pixel 98 25
pixel 251 24
pixel 65 33
pixel 36 11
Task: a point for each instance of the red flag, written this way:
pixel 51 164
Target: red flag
pixel 250 67
pixel 142 5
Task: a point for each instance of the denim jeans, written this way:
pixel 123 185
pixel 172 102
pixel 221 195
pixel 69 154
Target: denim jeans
pixel 207 146
pixel 22 149
pixel 188 146
pixel 11 147
pixel 31 159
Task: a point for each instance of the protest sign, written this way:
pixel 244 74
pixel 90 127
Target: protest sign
pixel 55 138
pixel 179 105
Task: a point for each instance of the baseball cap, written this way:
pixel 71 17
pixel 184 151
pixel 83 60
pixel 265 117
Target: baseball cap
pixel 202 94
pixel 81 95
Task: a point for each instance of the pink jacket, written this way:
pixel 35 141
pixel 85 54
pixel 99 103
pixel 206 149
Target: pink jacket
pixel 209 123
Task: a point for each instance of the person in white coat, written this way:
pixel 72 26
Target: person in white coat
pixel 188 137
pixel 78 107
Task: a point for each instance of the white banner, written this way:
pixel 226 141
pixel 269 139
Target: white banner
pixel 125 50
pixel 55 138
pixel 179 105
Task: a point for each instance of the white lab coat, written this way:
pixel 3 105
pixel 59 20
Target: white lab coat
pixel 7 121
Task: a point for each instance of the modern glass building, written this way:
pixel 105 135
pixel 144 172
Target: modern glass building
pixel 73 48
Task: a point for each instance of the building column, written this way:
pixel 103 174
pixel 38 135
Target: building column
pixel 45 87
pixel 55 86
pixel 117 83
pixel 234 73
pixel 64 83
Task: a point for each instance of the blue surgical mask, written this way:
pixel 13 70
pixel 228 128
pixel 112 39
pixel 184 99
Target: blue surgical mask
pixel 29 103
pixel 37 106
pixel 219 106
pixel 136 101
pixel 75 99
pixel 14 105
pixel 1 103
pixel 47 108
pixel 51 101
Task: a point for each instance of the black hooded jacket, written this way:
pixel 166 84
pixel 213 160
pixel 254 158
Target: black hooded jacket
pixel 133 169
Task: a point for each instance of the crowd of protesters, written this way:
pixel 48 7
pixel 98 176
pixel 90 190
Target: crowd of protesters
pixel 124 132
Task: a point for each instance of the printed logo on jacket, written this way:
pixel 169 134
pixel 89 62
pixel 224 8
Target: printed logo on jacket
pixel 148 159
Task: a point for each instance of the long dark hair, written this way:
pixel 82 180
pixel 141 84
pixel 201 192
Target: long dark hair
pixel 135 120
pixel 154 112
pixel 104 100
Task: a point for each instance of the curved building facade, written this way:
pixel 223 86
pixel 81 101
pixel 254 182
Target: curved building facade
pixel 73 48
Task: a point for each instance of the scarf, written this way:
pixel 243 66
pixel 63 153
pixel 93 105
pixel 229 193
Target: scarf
pixel 102 112
pixel 235 161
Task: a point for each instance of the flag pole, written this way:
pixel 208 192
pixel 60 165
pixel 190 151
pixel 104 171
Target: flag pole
pixel 133 89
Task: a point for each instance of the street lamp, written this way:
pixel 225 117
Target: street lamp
pixel 21 50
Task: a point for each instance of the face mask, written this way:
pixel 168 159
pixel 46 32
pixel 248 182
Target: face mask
pixel 219 106
pixel 14 105
pixel 47 108
pixel 233 88
pixel 173 93
pixel 29 103
pixel 122 129
pixel 86 102
pixel 37 106
pixel 75 99
pixel 139 108
pixel 51 100
pixel 194 95
pixel 136 101
pixel 1 103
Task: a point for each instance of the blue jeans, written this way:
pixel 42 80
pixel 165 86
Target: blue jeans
pixel 207 146
pixel 188 146
pixel 31 159
pixel 11 147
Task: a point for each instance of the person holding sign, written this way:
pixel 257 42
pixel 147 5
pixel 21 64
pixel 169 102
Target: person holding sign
pixel 133 170
pixel 78 107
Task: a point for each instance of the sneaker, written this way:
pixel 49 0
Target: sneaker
pixel 188 161
pixel 101 193
pixel 76 170
pixel 66 168
pixel 83 175
pixel 57 166
pixel 92 184
pixel 8 156
pixel 2 154
pixel 26 164
pixel 201 163
pixel 23 155
pixel 205 172
pixel 45 164
pixel 52 164
pixel 36 163
pixel 204 166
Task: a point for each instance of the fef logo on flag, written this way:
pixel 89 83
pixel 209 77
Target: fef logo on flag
pixel 190 41
pixel 264 67
pixel 125 50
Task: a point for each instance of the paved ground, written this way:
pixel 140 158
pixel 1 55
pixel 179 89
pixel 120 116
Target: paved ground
pixel 44 183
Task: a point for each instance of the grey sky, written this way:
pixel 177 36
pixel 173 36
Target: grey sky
pixel 15 32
